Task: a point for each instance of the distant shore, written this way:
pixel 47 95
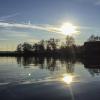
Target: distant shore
pixel 29 54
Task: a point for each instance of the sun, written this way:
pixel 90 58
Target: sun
pixel 68 29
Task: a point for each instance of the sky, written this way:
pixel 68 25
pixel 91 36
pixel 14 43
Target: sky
pixel 33 20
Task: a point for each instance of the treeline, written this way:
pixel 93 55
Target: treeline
pixel 56 48
pixel 51 47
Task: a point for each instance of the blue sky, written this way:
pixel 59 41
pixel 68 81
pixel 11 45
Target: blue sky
pixel 44 15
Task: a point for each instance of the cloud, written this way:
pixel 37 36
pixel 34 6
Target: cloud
pixel 30 26
pixel 48 28
pixel 3 18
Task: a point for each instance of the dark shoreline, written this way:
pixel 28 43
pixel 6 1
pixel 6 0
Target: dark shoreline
pixel 32 54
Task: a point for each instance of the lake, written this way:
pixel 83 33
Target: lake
pixel 48 78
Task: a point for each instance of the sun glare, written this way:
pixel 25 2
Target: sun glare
pixel 68 29
pixel 68 79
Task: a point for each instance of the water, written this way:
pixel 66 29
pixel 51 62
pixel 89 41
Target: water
pixel 33 70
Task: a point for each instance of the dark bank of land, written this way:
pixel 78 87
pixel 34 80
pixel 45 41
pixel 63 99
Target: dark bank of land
pixel 54 48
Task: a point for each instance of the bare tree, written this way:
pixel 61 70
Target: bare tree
pixel 19 48
pixel 91 38
pixel 70 41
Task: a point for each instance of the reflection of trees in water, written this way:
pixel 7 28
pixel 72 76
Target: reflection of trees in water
pixel 51 64
pixel 28 61
pixel 19 60
pixel 54 64
pixel 92 65
pixel 69 64
pixel 69 67
pixel 94 71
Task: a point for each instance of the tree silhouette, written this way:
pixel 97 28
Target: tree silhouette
pixel 39 47
pixel 70 41
pixel 94 38
pixel 19 48
pixel 26 47
pixel 52 44
pixel 91 38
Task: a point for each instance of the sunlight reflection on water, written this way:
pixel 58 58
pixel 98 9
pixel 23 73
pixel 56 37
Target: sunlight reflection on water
pixel 43 70
pixel 68 79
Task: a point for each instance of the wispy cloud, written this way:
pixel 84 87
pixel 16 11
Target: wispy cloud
pixel 49 28
pixel 3 18
pixel 30 26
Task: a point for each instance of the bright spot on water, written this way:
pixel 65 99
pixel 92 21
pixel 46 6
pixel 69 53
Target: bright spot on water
pixel 29 74
pixel 68 79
